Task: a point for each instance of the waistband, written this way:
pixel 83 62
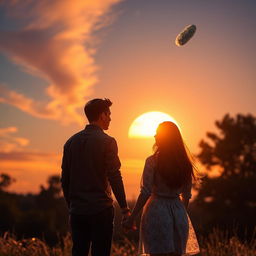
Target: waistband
pixel 165 196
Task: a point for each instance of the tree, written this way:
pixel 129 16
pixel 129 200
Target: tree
pixel 53 190
pixel 230 199
pixel 55 217
pixel 5 181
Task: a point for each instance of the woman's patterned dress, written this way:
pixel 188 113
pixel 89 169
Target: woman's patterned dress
pixel 165 224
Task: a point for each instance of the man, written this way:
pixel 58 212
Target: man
pixel 90 166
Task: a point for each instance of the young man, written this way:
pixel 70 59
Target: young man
pixel 90 168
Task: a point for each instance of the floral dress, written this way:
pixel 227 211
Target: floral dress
pixel 165 225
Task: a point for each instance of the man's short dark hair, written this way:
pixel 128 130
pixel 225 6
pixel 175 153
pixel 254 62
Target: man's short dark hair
pixel 95 107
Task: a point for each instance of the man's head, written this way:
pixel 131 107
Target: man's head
pixel 97 112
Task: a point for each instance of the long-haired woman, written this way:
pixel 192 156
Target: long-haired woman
pixel 165 192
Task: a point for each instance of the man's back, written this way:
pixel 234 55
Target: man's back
pixel 90 161
pixel 90 166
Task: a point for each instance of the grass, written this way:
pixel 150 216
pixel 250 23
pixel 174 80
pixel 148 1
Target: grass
pixel 216 244
pixel 219 243
pixel 9 246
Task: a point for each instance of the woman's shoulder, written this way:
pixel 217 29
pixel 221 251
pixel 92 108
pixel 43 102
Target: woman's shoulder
pixel 151 160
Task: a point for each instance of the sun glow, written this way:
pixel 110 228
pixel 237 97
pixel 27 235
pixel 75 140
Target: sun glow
pixel 146 124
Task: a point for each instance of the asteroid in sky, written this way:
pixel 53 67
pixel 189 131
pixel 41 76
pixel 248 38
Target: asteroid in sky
pixel 184 36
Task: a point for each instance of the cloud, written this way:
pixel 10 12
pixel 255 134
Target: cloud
pixel 8 130
pixel 55 41
pixel 30 169
pixel 16 156
pixel 10 143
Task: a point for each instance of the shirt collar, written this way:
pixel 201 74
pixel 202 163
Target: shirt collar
pixel 92 127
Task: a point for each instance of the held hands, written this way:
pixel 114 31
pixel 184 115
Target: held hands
pixel 129 224
pixel 128 220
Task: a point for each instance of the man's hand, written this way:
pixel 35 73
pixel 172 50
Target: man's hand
pixel 128 221
pixel 126 212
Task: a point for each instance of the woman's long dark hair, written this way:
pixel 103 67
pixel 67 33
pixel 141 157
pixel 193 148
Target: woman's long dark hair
pixel 173 163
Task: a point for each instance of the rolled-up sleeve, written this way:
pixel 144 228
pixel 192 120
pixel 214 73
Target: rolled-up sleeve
pixel 146 184
pixel 113 172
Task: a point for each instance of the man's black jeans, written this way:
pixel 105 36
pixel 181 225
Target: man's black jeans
pixel 92 230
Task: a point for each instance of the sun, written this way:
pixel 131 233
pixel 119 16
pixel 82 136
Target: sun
pixel 146 124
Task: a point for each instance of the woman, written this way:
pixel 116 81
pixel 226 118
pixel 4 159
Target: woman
pixel 165 226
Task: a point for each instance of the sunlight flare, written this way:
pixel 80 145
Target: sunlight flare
pixel 146 124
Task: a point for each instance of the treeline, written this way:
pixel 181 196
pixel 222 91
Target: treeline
pixel 43 215
pixel 227 201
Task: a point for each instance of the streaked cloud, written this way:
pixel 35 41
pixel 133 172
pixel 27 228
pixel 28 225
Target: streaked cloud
pixel 30 169
pixel 6 131
pixel 9 142
pixel 55 42
pixel 17 156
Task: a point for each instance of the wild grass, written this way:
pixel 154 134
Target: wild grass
pixel 216 244
pixel 9 246
pixel 220 243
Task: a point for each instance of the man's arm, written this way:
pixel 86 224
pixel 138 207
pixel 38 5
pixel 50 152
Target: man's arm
pixel 65 174
pixel 146 186
pixel 113 173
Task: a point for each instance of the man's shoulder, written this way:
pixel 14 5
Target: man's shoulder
pixel 100 135
pixel 107 140
pixel 73 137
pixel 107 137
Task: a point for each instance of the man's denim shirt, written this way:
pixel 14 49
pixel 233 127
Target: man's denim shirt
pixel 90 165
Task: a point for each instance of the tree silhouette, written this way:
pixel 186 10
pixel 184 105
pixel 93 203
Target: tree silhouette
pixel 8 206
pixel 42 215
pixel 229 199
pixel 5 181
pixel 53 190
pixel 50 201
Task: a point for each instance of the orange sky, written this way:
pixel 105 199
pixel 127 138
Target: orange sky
pixel 56 55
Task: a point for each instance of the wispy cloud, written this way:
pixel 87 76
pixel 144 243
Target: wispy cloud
pixel 55 42
pixel 9 142
pixel 29 167
pixel 17 156
pixel 8 130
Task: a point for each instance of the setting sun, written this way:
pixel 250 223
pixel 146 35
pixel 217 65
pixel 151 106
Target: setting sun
pixel 146 124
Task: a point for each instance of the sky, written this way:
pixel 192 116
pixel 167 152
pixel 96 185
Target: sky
pixel 57 55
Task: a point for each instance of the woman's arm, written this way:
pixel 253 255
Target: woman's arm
pixel 141 201
pixel 186 194
pixel 185 201
pixel 129 223
pixel 145 193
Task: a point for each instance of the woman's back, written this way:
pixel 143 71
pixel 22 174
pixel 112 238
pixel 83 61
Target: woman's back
pixel 154 184
pixel 165 225
pixel 167 175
